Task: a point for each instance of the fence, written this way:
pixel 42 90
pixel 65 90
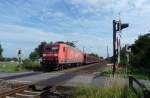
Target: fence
pixel 145 91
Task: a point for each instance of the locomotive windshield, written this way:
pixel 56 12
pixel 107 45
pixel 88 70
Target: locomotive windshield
pixel 51 49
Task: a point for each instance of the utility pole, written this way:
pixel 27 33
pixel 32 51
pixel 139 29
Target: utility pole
pixel 83 49
pixel 107 52
pixel 114 46
pixel 117 28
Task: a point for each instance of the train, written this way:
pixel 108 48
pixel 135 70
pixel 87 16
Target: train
pixel 57 56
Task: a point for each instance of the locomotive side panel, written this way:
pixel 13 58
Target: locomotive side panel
pixel 61 55
pixel 70 55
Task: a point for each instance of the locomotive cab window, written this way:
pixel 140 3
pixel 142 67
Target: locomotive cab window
pixel 52 48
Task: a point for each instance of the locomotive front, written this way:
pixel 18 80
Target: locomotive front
pixel 50 56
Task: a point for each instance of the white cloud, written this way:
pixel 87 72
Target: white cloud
pixel 135 12
pixel 113 5
pixel 14 36
pixel 51 13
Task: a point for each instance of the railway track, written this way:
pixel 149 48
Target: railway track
pixel 20 75
pixel 10 90
pixel 13 90
pixel 84 69
pixel 80 69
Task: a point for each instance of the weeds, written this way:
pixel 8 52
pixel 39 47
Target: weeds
pixel 30 65
pixel 27 65
pixel 109 92
pixel 139 73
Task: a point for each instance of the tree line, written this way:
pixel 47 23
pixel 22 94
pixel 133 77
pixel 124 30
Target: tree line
pixel 140 52
pixel 1 51
pixel 139 55
pixel 37 53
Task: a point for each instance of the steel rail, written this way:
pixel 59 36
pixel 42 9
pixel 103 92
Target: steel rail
pixel 14 91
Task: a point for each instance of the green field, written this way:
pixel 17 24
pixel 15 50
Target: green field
pixel 27 65
pixel 11 67
pixel 139 73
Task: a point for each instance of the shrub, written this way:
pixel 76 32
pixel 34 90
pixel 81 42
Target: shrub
pixel 140 55
pixel 30 65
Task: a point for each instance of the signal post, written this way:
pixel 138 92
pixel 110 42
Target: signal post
pixel 117 28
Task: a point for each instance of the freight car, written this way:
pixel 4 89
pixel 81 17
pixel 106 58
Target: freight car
pixel 59 55
pixel 91 58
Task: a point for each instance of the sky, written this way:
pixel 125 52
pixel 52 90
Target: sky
pixel 26 23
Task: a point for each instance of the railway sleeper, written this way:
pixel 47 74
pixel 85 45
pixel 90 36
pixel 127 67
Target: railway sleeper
pixel 26 94
pixel 20 95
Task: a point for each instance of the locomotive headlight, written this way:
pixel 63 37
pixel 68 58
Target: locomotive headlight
pixel 44 54
pixel 55 55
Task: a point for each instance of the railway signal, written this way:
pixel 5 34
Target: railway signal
pixel 117 27
pixel 128 50
pixel 19 54
pixel 120 26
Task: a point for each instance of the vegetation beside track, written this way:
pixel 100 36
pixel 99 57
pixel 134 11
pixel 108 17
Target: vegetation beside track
pixel 30 65
pixel 110 92
pixel 10 67
pixel 27 65
pixel 139 73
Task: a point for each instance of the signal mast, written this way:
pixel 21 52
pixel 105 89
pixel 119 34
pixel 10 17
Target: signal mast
pixel 118 26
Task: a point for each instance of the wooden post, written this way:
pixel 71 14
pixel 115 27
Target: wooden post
pixel 131 81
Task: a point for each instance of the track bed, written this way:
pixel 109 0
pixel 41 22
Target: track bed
pixel 50 85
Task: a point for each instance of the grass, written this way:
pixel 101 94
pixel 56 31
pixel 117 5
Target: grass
pixel 31 65
pixel 139 73
pixel 110 92
pixel 12 66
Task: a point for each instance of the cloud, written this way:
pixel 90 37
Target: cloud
pixel 26 23
pixel 14 36
pixel 113 5
pixel 27 38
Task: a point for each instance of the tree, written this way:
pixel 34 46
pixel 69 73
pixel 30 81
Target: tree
pixel 109 59
pixel 95 55
pixel 34 55
pixel 123 57
pixel 58 42
pixel 68 43
pixel 140 56
pixel 10 59
pixel 37 53
pixel 1 51
pixel 40 48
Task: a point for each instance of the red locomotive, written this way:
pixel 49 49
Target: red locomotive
pixel 60 55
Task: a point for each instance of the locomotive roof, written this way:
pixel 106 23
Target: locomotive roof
pixel 57 44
